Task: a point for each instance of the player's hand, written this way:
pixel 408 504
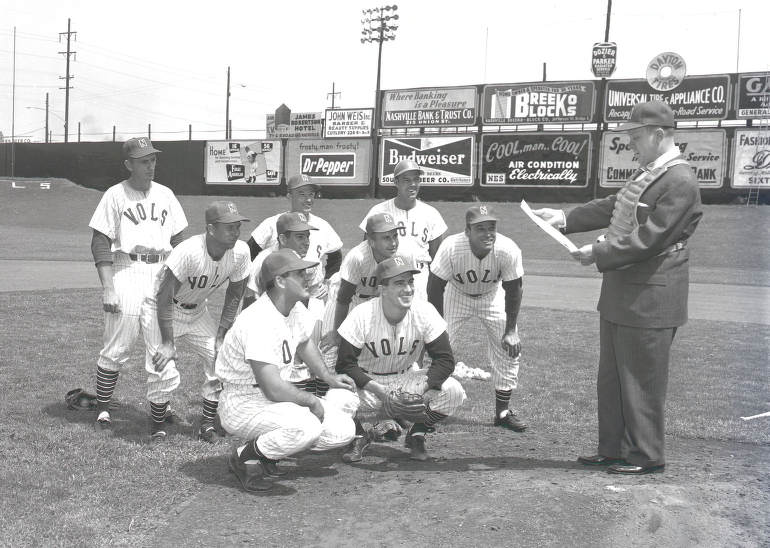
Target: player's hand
pixel 554 217
pixel 317 409
pixel 584 255
pixel 342 381
pixel 329 341
pixel 110 301
pixel 165 353
pixel 512 344
pixel 321 291
pixel 429 394
pixel 377 389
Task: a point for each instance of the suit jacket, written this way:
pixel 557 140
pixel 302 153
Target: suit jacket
pixel 643 286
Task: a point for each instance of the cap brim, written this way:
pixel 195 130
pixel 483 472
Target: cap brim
pixel 404 271
pixel 232 218
pixel 420 171
pixel 300 264
pixel 482 218
pixel 144 153
pixel 299 228
pixel 314 185
pixel 379 230
pixel 628 126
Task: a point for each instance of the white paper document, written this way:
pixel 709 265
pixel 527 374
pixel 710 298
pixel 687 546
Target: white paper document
pixel 551 231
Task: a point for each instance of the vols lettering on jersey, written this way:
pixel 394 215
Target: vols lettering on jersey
pixel 470 276
pixel 414 232
pixel 141 213
pixel 387 347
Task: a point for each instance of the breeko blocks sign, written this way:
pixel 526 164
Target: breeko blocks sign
pixel 704 150
pixel 429 107
pixel 340 162
pixel 446 161
pixel 536 159
pixel 538 102
pixel 751 159
pixel 242 162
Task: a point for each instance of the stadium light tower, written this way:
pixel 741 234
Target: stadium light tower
pixel 378 27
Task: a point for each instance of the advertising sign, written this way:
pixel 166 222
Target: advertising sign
pixel 334 162
pixel 429 107
pixel 446 161
pixel 753 96
pixel 242 162
pixel 704 149
pixel 536 159
pixel 538 102
pixel 751 159
pixel 301 125
pixel 348 122
pixel 696 98
pixel 603 58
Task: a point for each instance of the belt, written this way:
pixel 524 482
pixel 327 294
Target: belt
pixel 474 295
pixel 366 296
pixel 385 374
pixel 678 246
pixel 185 305
pixel 150 258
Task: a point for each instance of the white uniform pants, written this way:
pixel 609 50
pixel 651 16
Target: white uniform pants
pixel 194 328
pixel 133 281
pixel 490 309
pixel 446 402
pixel 283 428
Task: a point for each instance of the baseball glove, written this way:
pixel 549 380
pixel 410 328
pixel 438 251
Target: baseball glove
pixel 80 400
pixel 387 430
pixel 404 405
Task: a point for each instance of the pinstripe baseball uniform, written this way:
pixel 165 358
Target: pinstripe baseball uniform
pixel 322 242
pixel 140 226
pixel 200 276
pixel 388 351
pixel 261 333
pixel 299 372
pixel 421 224
pixel 474 289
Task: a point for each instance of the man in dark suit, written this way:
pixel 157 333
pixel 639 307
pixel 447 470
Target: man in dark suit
pixel 644 261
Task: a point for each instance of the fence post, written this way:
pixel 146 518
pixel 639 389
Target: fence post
pixel 149 131
pixel 113 134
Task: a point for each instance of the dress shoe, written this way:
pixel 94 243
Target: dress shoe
pixel 634 470
pixel 599 460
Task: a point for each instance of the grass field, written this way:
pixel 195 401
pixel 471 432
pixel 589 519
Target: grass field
pixel 64 485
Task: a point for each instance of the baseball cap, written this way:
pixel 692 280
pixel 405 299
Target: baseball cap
pixel 138 147
pixel 394 266
pixel 380 222
pixel 479 214
pixel 281 261
pixel 293 221
pixel 406 165
pixel 651 113
pixel 297 181
pixel 223 211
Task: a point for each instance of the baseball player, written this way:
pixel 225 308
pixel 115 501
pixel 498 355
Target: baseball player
pixel 323 243
pixel 177 311
pixel 417 220
pixel 381 338
pixel 358 280
pixel 251 159
pixel 135 226
pixel 293 233
pixel 482 271
pixel 256 403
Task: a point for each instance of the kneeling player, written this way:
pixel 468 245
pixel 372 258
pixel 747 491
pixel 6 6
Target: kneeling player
pixel 380 340
pixel 256 404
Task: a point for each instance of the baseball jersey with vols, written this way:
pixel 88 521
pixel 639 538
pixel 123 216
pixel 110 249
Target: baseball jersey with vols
pixel 322 242
pixel 359 266
pixel 201 275
pixel 261 333
pixel 421 224
pixel 137 221
pixel 456 263
pixel 388 348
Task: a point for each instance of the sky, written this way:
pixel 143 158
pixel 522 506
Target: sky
pixel 164 62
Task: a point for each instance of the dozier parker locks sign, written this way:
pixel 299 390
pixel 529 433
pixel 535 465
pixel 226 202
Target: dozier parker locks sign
pixel 446 161
pixel 429 107
pixel 242 162
pixel 536 159
pixel 696 98
pixel 704 150
pixel 538 102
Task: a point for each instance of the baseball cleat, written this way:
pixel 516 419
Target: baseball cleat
pixel 158 436
pixel 103 422
pixel 171 417
pixel 207 433
pixel 250 475
pixel 416 446
pixel 510 421
pixel 270 468
pixel 355 452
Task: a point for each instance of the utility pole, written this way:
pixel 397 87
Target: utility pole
pixel 46 116
pixel 67 79
pixel 227 107
pixel 13 110
pixel 333 94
